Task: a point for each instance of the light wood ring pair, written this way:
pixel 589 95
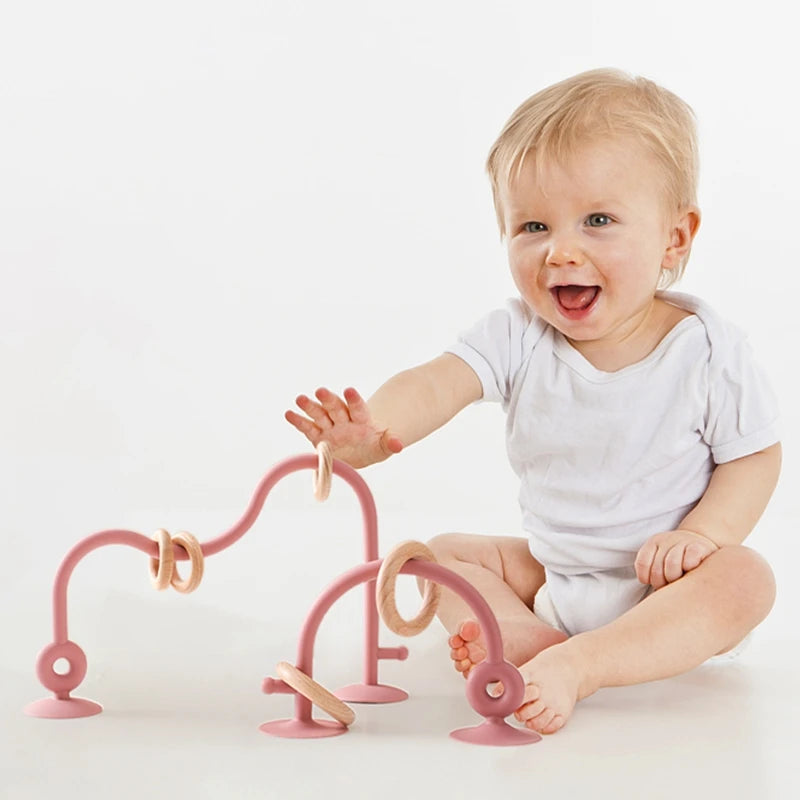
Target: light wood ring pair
pixel 323 472
pixel 164 570
pixel 315 692
pixel 385 590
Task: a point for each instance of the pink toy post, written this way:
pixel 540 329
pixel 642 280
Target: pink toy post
pixel 494 731
pixel 63 705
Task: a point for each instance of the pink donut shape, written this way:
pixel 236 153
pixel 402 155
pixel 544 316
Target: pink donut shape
pixel 51 679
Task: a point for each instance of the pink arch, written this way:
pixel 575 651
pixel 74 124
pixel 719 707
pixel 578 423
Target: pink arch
pixel 225 540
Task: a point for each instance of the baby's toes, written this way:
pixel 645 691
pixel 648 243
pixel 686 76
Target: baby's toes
pixel 469 630
pixel 465 651
pixel 475 652
pixel 532 692
pixel 464 666
pixel 542 721
pixel 459 653
pixel 530 711
pixel 455 641
pixel 554 725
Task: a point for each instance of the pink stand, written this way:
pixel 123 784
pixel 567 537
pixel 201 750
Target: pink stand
pixel 303 729
pixel 67 708
pixel 63 706
pixel 495 731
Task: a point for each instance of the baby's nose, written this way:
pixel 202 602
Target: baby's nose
pixel 564 253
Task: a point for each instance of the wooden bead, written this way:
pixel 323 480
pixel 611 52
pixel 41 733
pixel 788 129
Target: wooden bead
pixel 323 472
pixel 385 590
pixel 316 693
pixel 161 568
pixel 192 547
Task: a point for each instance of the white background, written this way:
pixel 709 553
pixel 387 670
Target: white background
pixel 207 208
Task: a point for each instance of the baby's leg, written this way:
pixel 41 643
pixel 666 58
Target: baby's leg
pixel 507 577
pixel 707 611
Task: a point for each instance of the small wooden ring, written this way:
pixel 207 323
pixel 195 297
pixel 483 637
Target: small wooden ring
pixel 385 591
pixel 323 472
pixel 192 547
pixel 161 568
pixel 316 693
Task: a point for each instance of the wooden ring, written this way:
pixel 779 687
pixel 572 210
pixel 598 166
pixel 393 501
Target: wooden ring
pixel 316 693
pixel 161 568
pixel 323 472
pixel 385 591
pixel 192 547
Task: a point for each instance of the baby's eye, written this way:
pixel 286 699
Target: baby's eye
pixel 598 220
pixel 534 227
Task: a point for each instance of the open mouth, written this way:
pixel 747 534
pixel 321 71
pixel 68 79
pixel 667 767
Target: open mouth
pixel 575 301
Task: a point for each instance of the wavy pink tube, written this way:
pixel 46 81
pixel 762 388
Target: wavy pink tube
pixel 225 540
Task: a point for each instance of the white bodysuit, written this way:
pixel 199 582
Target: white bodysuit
pixel 608 459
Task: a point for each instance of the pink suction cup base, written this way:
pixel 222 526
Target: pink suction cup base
pixel 371 693
pixel 303 729
pixel 71 708
pixel 496 732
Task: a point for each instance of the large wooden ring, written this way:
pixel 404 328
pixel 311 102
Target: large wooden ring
pixel 385 591
pixel 316 693
pixel 323 472
pixel 192 547
pixel 161 568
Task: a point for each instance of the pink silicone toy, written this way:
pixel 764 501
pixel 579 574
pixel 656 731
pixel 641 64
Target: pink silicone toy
pixel 164 551
pixel 63 705
pixel 494 731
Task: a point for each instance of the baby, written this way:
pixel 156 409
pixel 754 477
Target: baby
pixel 642 431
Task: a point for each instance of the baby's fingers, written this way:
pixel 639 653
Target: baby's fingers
pixel 390 444
pixel 673 562
pixel 334 406
pixel 357 406
pixel 314 410
pixel 644 561
pixel 305 426
pixel 693 556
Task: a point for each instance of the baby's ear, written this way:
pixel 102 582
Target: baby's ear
pixel 682 235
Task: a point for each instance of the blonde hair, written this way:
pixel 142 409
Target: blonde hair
pixel 555 122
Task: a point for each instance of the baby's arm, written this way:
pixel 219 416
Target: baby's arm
pixel 402 411
pixel 727 512
pixel 736 497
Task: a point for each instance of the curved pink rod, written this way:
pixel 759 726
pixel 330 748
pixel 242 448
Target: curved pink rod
pixel 369 572
pixel 370 517
pixel 81 549
pixel 280 471
pixel 148 546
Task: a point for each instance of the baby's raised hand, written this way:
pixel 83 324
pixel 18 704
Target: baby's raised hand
pixel 346 425
pixel 666 557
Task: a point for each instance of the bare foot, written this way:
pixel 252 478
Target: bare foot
pixel 466 648
pixel 552 688
pixel 523 638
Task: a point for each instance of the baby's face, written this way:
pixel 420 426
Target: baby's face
pixel 587 241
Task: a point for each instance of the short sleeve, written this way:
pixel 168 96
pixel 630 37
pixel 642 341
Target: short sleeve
pixel 494 348
pixel 742 409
